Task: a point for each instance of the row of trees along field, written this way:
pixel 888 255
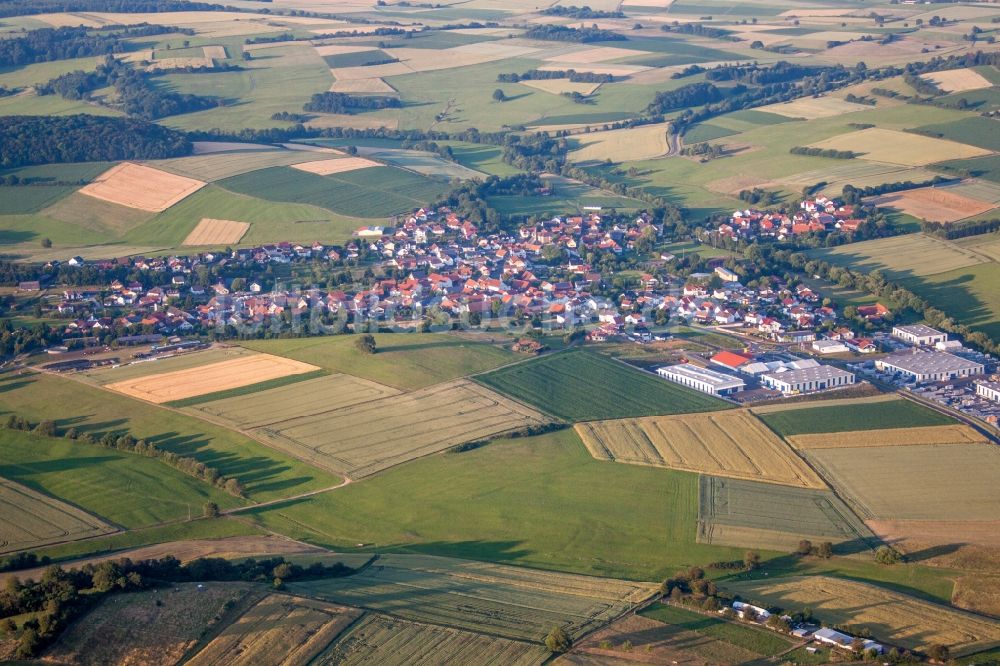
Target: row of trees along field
pixel 48 44
pixel 123 441
pixel 60 596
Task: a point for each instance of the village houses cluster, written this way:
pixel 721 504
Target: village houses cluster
pixel 446 266
pixel 814 216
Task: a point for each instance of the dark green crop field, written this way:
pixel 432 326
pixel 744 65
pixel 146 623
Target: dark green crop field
pixel 371 192
pixel 582 386
pixel 845 418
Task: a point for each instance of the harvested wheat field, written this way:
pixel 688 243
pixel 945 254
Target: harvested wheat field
pixel 811 108
pixel 891 616
pixel 340 49
pixel 29 519
pixel 308 398
pixel 978 593
pixel 366 438
pixel 154 626
pixel 339 165
pixel 216 232
pixel 278 629
pixel 216 52
pixel 560 86
pixel 731 443
pixel 916 482
pixel 221 376
pixel 945 434
pixel 142 187
pixel 638 143
pixel 883 145
pixel 373 85
pixel 596 54
pixel 382 639
pixel 935 204
pixel 958 80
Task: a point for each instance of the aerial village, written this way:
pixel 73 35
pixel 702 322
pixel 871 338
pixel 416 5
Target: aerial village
pixel 435 271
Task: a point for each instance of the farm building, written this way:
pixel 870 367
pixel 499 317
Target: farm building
pixel 989 390
pixel 743 609
pixel 930 366
pixel 702 379
pixel 807 380
pixel 731 360
pixel 918 334
pixel 845 641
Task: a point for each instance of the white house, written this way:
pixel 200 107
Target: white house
pixel 829 346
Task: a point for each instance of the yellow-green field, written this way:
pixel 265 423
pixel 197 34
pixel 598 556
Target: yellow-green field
pixel 883 145
pixel 515 603
pixel 729 443
pixel 365 438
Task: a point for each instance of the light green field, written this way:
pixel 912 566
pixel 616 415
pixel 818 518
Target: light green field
pixel 271 221
pixel 405 361
pixel 904 256
pixel 472 88
pixel 29 75
pixel 277 79
pixel 30 519
pixel 969 295
pixel 124 488
pixel 264 473
pixel 216 166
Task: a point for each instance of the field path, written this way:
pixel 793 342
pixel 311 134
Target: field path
pixel 347 481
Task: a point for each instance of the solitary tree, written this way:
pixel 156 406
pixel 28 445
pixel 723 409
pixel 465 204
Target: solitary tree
pixel 751 560
pixel 886 555
pixel 366 344
pixel 557 640
pixel 825 550
pixel 499 96
pixel 211 510
pixel 805 547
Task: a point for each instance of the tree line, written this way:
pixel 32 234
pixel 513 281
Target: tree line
pixel 61 596
pixel 853 195
pixel 86 138
pixel 562 33
pixel 953 230
pixel 542 75
pixel 126 442
pixel 699 30
pixel 48 44
pixel 334 102
pixel 823 152
pixel 585 12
